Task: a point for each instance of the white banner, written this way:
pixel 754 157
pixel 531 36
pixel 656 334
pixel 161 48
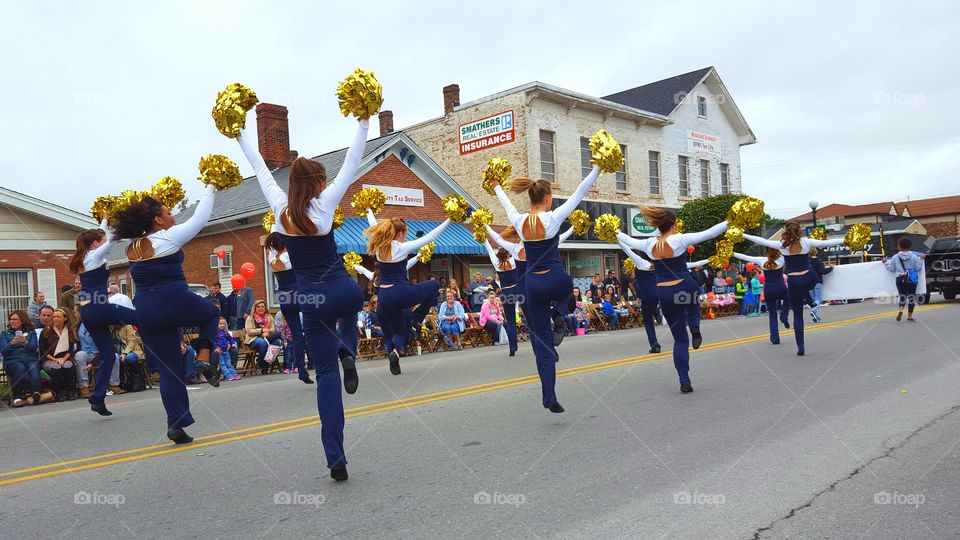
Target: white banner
pixel 400 196
pixel 703 144
pixel 863 280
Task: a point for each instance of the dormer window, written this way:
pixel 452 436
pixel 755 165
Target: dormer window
pixel 701 106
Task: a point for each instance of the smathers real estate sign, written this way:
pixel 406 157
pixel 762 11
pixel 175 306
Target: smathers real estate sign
pixel 487 132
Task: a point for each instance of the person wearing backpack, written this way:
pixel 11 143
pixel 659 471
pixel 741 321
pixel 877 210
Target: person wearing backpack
pixel 740 294
pixel 907 265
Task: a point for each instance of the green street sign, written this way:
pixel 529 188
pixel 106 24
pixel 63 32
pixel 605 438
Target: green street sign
pixel 641 226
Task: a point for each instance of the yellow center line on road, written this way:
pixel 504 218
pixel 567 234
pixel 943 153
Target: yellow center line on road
pixel 135 454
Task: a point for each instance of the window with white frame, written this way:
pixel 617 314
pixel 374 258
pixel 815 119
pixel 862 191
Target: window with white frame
pixel 684 170
pixel 654 159
pixel 548 167
pixel 724 178
pixel 702 106
pixel 704 178
pixel 585 165
pixel 622 173
pixel 14 291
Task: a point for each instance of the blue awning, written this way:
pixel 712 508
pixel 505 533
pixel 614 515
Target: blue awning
pixel 454 240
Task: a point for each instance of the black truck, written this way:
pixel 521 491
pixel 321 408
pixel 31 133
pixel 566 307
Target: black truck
pixel 943 268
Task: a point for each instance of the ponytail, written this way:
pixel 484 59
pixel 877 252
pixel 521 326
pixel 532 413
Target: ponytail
pixel 791 234
pixel 380 235
pixel 84 241
pixel 503 256
pixel 772 256
pixel 537 190
pixel 660 218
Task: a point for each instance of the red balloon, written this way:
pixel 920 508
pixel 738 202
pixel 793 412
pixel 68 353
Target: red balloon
pixel 238 281
pixel 729 281
pixel 710 295
pixel 689 249
pixel 248 270
pixel 726 267
pixel 221 254
pixel 750 267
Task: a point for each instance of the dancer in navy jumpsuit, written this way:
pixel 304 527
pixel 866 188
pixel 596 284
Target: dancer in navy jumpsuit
pixel 325 292
pixel 409 315
pixel 800 275
pixel 506 269
pixel 279 262
pixel 547 282
pixel 647 289
pixel 677 291
pixel 396 293
pixel 164 303
pixel 96 312
pixel 774 289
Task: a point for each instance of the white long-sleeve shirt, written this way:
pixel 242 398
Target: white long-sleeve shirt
pixel 678 242
pixel 642 264
pixel 283 258
pixel 322 208
pixel 696 264
pixel 565 235
pixel 401 250
pixel 169 241
pixel 494 260
pixel 369 275
pixel 96 258
pixel 514 249
pixel 805 244
pixel 759 261
pixel 551 219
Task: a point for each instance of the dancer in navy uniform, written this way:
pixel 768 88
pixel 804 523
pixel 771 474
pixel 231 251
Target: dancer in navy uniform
pixel 547 282
pixel 385 241
pixel 677 291
pixel 287 288
pixel 800 274
pixel 409 315
pixel 774 289
pixel 96 312
pixel 506 269
pixel 647 289
pixel 325 292
pixel 164 303
pixel 518 294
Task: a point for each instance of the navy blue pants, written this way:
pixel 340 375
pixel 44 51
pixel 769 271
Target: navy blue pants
pixel 776 300
pixel 544 290
pixel 798 287
pixel 161 311
pixel 394 300
pixel 510 319
pixel 96 318
pixel 680 307
pixel 337 298
pixel 648 309
pixel 291 314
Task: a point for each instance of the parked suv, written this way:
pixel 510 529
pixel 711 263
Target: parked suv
pixel 943 268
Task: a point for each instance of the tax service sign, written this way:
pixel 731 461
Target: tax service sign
pixel 487 133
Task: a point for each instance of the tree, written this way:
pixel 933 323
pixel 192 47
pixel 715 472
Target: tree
pixel 701 214
pixel 182 206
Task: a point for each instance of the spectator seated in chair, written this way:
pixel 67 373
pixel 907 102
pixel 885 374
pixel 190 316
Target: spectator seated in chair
pixel 18 345
pixel 613 312
pixel 58 345
pixel 491 315
pixel 576 313
pixel 261 334
pixel 452 320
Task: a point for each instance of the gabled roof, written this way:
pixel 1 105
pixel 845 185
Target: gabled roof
pixel 933 207
pixel 660 97
pixel 849 210
pixel 45 210
pixel 246 200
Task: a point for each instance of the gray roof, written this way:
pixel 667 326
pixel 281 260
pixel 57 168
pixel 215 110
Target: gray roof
pixel 660 97
pixel 247 198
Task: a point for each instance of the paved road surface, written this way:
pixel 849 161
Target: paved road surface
pixel 860 438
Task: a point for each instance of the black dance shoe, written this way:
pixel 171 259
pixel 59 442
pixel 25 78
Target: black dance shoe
pixel 697 338
pixel 213 379
pixel 179 436
pixel 555 408
pixel 786 323
pixel 350 378
pixel 686 388
pixel 559 331
pixel 99 408
pixel 306 380
pixel 655 349
pixel 513 352
pixel 339 475
pixel 394 366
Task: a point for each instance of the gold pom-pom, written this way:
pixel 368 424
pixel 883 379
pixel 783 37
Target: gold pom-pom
pixel 455 207
pixel 128 197
pixel 268 220
pixel 605 152
pixel 230 110
pixel 746 213
pixel 716 262
pixel 734 234
pixel 338 217
pixel 818 233
pixel 681 227
pixel 220 172
pixel 360 94
pixel 498 169
pixel 580 221
pixel 350 259
pixel 104 207
pixel 368 199
pixel 607 227
pixel 169 191
pixel 857 237
pixel 724 249
pixel 426 252
pixel 629 266
pixel 479 219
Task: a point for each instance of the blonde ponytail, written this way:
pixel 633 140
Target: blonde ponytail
pixel 660 218
pixel 380 235
pixel 536 189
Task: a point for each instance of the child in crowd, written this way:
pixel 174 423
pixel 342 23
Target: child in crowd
pixel 757 289
pixel 739 294
pixel 223 344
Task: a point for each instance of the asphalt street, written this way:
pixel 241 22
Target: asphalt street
pixel 860 438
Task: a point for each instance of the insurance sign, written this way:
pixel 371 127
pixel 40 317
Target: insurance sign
pixel 487 133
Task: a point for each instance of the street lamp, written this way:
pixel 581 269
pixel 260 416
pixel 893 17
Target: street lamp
pixel 813 207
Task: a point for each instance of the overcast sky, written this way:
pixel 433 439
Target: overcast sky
pixel 850 103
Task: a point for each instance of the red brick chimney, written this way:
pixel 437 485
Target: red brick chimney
pixel 273 134
pixel 451 97
pixel 386 122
